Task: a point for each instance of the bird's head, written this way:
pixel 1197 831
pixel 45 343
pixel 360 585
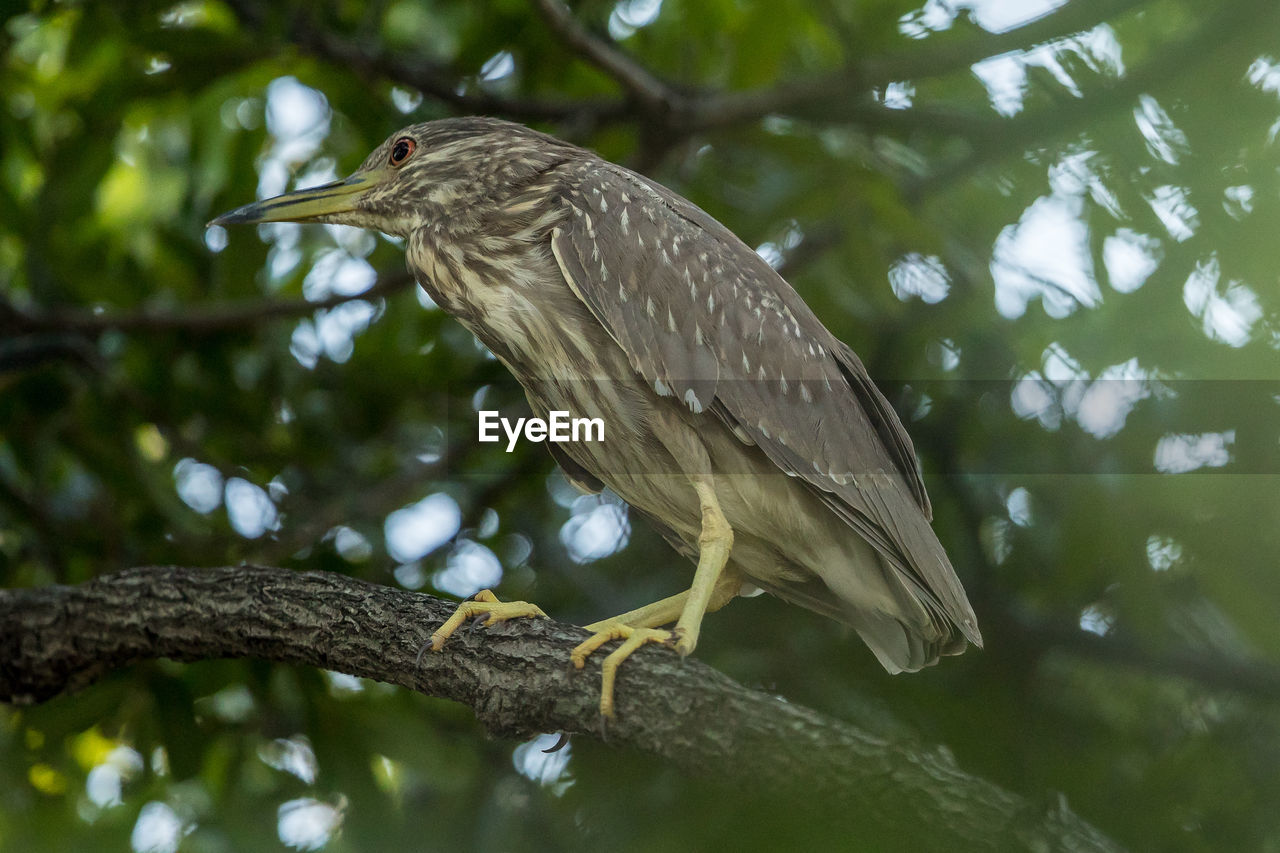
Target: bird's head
pixel 444 173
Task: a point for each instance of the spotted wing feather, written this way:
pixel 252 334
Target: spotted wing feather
pixel 708 321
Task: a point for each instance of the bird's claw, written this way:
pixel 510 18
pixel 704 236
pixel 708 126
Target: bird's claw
pixel 483 604
pixel 560 744
pixel 632 639
pixel 683 642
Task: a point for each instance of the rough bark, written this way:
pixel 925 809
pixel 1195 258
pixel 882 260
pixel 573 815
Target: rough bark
pixel 515 677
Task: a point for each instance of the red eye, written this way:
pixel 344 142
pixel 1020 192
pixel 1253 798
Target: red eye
pixel 402 150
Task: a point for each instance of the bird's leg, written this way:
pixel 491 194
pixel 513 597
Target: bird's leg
pixel 640 626
pixel 661 612
pixel 714 544
pixel 483 603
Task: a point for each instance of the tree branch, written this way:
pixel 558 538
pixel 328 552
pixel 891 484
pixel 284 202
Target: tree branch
pixel 1255 678
pixel 446 86
pixel 635 79
pixel 841 95
pixel 514 676
pixel 231 316
pixel 933 57
pixel 666 114
pixel 443 84
pixel 995 139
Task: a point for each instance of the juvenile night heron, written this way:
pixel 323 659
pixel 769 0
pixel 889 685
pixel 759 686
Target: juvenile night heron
pixel 750 435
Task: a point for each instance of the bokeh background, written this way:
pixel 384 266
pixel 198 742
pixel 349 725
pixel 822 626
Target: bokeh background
pixel 1052 231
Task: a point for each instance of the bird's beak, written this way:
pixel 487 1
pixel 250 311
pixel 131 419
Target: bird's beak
pixel 309 205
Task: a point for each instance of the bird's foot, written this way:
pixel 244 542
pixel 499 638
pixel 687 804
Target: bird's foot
pixel 483 604
pixel 632 639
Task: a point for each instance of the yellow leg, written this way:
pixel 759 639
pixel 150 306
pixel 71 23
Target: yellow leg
pixel 714 545
pixel 650 616
pixel 668 610
pixel 712 588
pixel 484 603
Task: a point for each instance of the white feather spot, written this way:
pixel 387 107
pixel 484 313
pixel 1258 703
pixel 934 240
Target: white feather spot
pixel 661 388
pixel 648 306
pixel 625 221
pixel 671 321
pixel 691 400
pixel 711 302
pixel 842 479
pixel 697 335
pixel 804 393
pixel 783 382
pixel 746 365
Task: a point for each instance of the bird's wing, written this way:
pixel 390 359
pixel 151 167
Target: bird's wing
pixel 580 478
pixel 708 321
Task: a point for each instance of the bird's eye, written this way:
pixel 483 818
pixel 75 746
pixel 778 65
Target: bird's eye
pixel 402 150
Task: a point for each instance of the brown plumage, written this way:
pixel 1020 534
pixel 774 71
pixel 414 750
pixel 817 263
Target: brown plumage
pixel 608 295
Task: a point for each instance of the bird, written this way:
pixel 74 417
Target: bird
pixel 746 432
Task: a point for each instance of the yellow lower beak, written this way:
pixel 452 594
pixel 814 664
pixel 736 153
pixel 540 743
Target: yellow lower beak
pixel 304 205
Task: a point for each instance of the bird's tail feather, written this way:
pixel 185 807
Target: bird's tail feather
pixel 897 647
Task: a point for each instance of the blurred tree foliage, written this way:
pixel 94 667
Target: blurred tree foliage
pixel 1053 240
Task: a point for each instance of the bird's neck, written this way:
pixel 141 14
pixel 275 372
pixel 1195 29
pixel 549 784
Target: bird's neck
pixel 503 283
